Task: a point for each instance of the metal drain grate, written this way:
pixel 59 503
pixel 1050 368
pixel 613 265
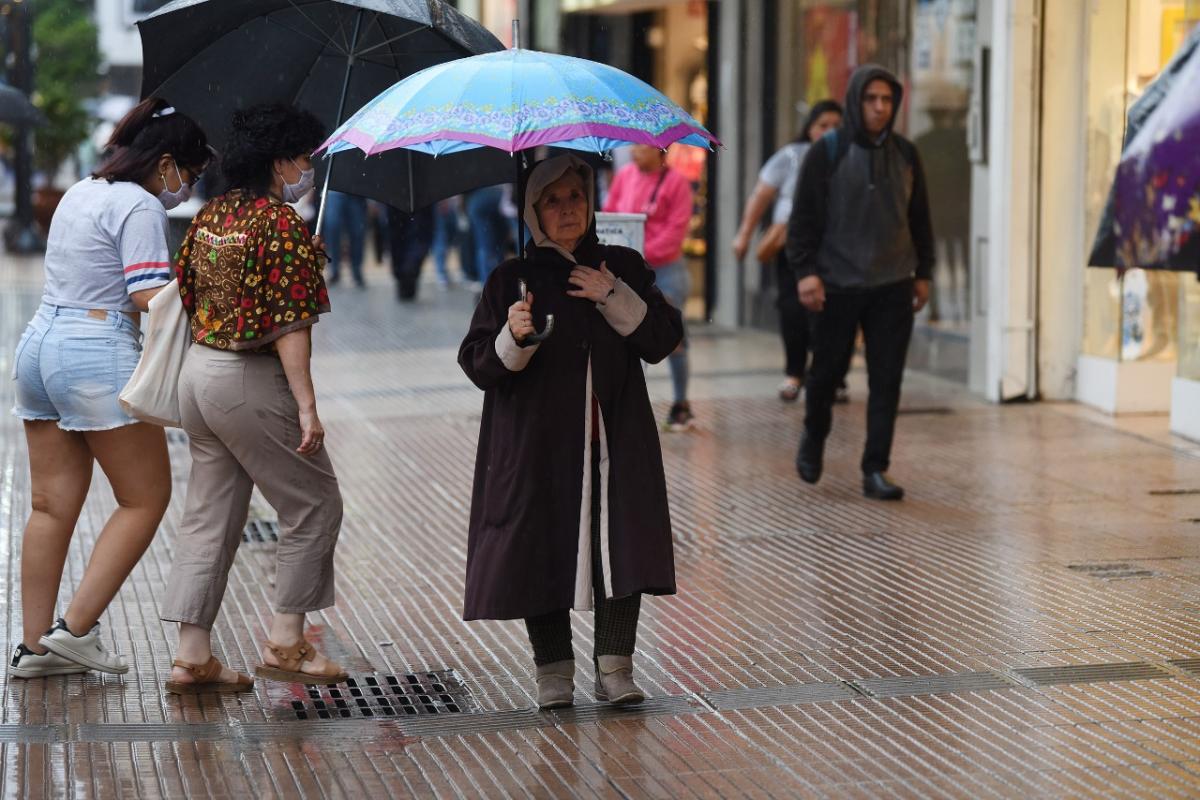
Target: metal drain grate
pixel 383 696
pixel 795 694
pixel 1112 571
pixel 930 684
pixel 1092 673
pixel 261 531
pixel 1173 492
pixel 1189 665
pixel 931 411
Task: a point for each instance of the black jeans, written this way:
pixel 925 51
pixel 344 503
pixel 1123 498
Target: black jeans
pixel 411 238
pixel 616 617
pixel 886 316
pixel 796 327
pixel 794 322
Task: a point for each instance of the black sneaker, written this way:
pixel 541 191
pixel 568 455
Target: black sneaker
pixel 680 418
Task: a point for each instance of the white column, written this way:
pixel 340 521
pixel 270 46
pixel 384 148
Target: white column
pixel 1064 244
pixel 1012 219
pixel 729 128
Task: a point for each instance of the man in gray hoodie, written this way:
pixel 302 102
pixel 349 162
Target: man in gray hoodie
pixel 860 243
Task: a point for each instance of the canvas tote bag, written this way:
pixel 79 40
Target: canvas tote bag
pixel 152 394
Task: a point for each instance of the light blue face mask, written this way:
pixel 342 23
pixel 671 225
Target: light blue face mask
pixel 292 192
pixel 171 199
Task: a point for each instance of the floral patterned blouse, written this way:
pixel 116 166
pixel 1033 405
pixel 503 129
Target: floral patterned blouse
pixel 248 273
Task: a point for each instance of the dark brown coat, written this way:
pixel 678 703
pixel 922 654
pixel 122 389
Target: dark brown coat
pixel 529 470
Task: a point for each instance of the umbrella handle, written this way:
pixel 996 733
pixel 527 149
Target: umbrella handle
pixel 321 207
pixel 535 338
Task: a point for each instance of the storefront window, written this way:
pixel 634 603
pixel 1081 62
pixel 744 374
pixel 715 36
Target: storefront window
pixel 930 46
pixel 1189 340
pixel 1132 317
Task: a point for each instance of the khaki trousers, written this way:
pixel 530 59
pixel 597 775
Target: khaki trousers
pixel 244 428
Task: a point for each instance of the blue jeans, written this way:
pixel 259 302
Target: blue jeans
pixel 345 221
pixel 445 234
pixel 487 228
pixel 69 368
pixel 675 282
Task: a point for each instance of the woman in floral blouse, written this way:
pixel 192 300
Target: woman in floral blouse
pixel 250 277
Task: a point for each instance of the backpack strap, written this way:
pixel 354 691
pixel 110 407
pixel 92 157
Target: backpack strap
pixel 836 144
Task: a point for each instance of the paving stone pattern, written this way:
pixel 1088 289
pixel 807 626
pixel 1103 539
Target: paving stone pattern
pixel 1024 625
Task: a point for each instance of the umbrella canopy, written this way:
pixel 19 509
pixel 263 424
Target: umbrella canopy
pixel 1157 206
pixel 1152 218
pixel 516 100
pixel 512 101
pixel 209 57
pixel 15 108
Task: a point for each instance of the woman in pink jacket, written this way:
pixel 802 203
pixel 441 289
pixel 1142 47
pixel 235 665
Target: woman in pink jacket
pixel 648 186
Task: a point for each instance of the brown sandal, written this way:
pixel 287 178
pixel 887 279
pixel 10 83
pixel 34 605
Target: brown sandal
pixel 207 679
pixel 291 659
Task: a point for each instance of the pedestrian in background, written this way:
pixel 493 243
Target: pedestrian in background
pixel 648 186
pixel 106 256
pixel 345 229
pixel 445 236
pixel 251 281
pixel 776 184
pixel 560 521
pixel 488 228
pixel 861 245
pixel 410 239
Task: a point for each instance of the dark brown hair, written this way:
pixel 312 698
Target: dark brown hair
pixel 149 131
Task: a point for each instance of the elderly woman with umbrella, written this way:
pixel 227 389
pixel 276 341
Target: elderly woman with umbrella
pixel 569 507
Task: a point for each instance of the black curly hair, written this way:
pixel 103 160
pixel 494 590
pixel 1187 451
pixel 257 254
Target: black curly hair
pixel 260 134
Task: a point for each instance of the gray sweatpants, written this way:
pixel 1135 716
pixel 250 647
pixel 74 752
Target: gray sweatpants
pixel 244 428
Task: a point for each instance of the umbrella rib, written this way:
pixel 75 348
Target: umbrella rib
pixel 376 22
pixel 321 41
pixel 309 20
pixel 394 39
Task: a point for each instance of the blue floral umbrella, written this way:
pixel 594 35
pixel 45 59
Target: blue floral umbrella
pixel 516 100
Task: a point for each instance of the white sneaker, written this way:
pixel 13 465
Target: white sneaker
pixel 87 649
pixel 28 664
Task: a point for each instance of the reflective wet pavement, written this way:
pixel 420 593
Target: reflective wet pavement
pixel 1025 624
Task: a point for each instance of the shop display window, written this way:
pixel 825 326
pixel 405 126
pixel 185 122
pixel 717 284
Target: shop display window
pixel 1189 327
pixel 1135 316
pixel 929 44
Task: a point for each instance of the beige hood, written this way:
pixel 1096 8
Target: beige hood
pixel 542 175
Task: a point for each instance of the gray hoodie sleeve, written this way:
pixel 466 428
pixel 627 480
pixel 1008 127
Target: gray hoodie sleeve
pixel 806 225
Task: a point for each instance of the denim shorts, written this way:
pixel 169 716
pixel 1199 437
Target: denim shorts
pixel 70 367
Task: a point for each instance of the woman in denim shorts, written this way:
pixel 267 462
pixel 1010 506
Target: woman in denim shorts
pixel 106 256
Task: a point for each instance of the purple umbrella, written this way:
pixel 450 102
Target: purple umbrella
pixel 1156 204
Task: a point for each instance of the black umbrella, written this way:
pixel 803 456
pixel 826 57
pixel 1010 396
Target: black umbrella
pixel 15 108
pixel 209 57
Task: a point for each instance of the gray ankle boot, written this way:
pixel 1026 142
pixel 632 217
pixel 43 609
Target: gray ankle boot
pixel 556 685
pixel 614 680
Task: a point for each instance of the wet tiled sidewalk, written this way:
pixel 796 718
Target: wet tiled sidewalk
pixel 1026 624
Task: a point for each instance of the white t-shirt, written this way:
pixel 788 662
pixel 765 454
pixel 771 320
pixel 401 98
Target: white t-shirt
pixel 107 241
pixel 782 171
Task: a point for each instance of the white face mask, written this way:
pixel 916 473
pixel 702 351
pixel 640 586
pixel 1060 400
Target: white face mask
pixel 292 192
pixel 171 199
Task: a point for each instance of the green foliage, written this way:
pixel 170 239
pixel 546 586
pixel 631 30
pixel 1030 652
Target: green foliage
pixel 67 54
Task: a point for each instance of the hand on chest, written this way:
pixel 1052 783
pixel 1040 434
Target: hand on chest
pixel 578 324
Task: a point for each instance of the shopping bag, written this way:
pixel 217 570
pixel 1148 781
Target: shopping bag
pixel 152 394
pixel 772 243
